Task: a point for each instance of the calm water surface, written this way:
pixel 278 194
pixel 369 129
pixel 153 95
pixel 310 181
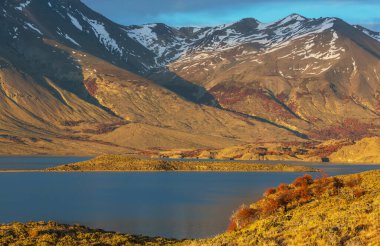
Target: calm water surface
pixel 181 205
pixel 36 162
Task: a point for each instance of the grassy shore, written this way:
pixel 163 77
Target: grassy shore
pixel 115 163
pixel 52 233
pixel 343 210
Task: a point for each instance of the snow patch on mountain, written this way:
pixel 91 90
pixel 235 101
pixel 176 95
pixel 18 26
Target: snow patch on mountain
pixel 23 5
pixel 71 40
pixel 75 22
pixel 30 26
pixel 103 35
pixel 144 35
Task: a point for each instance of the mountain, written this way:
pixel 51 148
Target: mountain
pixel 72 81
pixel 318 76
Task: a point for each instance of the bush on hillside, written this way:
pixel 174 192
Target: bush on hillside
pixel 286 197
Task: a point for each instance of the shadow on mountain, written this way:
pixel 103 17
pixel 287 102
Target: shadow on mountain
pixel 41 61
pixel 182 87
pixel 296 133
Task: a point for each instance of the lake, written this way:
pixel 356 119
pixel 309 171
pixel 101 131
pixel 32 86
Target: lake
pixel 180 205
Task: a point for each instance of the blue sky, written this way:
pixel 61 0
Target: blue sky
pixel 211 12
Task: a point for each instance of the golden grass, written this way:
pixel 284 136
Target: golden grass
pixel 124 163
pixel 52 233
pixel 343 219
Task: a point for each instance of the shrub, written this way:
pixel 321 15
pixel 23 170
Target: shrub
pixel 358 192
pixel 282 187
pixel 268 206
pixel 33 232
pixel 302 190
pixel 302 194
pixel 269 192
pixel 354 181
pixel 243 217
pixel 304 180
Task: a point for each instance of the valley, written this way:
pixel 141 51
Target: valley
pixel 171 134
pixel 112 87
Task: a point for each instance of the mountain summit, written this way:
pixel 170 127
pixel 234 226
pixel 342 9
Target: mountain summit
pixel 72 79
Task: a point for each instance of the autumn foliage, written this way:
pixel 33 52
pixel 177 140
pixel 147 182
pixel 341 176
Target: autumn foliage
pixel 286 197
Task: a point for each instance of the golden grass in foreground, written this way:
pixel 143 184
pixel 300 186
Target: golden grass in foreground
pixel 52 233
pixel 344 218
pixel 349 217
pixel 124 163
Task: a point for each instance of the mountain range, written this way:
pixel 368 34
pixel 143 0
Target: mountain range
pixel 74 82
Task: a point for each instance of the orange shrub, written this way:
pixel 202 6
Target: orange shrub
pixel 268 206
pixel 358 192
pixel 232 226
pixel 243 217
pixel 354 181
pixel 303 190
pixel 304 180
pixel 269 192
pixel 282 187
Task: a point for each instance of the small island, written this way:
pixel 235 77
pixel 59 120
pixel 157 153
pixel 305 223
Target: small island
pixel 117 163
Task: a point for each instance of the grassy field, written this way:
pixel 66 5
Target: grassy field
pixel 328 211
pixel 52 233
pixel 124 163
pixel 343 210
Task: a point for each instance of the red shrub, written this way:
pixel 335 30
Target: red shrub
pixel 354 181
pixel 284 198
pixel 232 226
pixel 268 206
pixel 243 217
pixel 282 187
pixel 303 190
pixel 302 194
pixel 301 181
pixel 91 86
pixel 269 192
pixel 358 192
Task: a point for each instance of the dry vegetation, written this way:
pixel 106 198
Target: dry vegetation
pixel 51 233
pixel 366 150
pixel 342 210
pixel 125 163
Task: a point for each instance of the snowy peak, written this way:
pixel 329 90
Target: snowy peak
pixel 72 23
pixel 170 43
pixel 291 19
pixel 372 34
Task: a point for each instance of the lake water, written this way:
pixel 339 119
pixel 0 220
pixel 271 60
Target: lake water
pixel 181 205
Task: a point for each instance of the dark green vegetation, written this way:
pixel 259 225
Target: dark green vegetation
pixel 124 163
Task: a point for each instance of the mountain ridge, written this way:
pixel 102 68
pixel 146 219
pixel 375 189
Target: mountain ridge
pixel 69 75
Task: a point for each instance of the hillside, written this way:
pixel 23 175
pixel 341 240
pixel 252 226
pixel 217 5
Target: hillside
pixel 52 233
pixel 366 150
pixel 115 163
pixel 345 215
pixel 326 219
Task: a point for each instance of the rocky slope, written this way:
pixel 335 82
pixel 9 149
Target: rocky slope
pixel 70 77
pixel 366 150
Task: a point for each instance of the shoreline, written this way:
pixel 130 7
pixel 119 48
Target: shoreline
pixel 154 171
pixel 270 162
